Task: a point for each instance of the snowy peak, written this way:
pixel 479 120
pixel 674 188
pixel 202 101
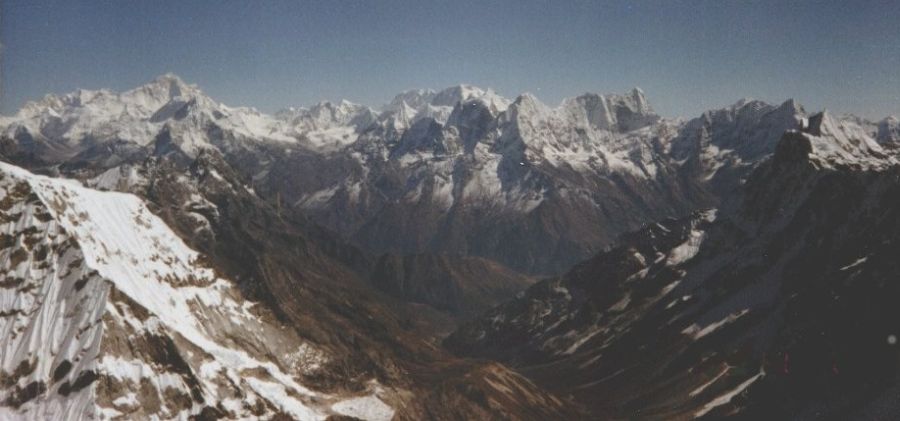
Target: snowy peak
pixel 172 85
pixel 414 98
pixel 612 113
pixel 743 109
pixel 143 100
pixel 885 131
pixel 791 107
pixel 324 126
pixel 620 113
pixel 89 119
pixel 159 92
pixel 640 101
pixel 454 95
pixel 413 105
pixel 527 106
pixel 327 114
pixel 888 131
pixel 448 97
pixel 748 129
pixel 829 142
pixel 821 124
pixel 634 102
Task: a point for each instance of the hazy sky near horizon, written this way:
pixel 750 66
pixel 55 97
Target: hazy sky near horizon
pixel 688 56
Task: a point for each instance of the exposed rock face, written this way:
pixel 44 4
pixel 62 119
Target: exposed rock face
pixel 780 309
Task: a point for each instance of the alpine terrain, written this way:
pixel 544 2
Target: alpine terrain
pixel 452 254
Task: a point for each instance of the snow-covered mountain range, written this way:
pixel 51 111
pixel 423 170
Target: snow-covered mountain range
pixel 459 171
pixel 165 255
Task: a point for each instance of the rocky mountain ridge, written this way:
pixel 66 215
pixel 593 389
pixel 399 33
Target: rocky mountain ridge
pixel 778 308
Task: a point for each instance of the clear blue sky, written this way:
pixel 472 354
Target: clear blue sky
pixel 688 56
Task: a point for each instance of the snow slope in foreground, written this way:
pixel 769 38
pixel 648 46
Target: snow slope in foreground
pixel 105 312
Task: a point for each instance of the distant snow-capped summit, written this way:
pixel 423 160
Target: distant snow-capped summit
pixel 829 142
pixel 410 106
pixel 84 119
pixel 452 153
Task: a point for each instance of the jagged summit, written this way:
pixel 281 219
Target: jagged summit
pixel 632 107
pixel 66 124
pixel 169 86
pixel 447 97
pixel 888 131
pixel 828 142
pixel 410 106
pixel 622 113
pixel 413 97
pixel 528 103
pixel 792 104
pixel 455 94
pixel 820 124
pixel 141 101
